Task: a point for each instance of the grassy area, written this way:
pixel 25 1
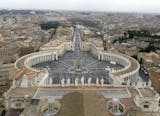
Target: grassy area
pixel 146 39
pixel 50 25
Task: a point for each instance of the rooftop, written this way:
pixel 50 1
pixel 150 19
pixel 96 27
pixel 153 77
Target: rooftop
pixel 134 66
pixel 20 92
pixel 146 92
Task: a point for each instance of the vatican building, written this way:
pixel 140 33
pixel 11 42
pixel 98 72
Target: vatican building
pixel 75 61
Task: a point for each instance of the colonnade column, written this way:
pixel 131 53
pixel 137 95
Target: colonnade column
pixel 56 56
pixel 53 57
pixel 45 82
pixel 99 56
pixel 102 57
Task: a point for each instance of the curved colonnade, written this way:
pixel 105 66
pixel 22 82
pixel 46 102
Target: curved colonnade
pixel 129 74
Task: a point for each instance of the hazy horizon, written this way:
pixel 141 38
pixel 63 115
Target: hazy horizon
pixel 143 6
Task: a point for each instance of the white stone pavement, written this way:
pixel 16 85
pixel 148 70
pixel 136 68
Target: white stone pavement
pixel 59 93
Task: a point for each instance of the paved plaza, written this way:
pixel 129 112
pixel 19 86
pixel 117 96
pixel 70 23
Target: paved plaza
pixel 59 93
pixel 87 65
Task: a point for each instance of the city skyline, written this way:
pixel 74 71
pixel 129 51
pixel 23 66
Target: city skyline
pixel 63 58
pixel 149 6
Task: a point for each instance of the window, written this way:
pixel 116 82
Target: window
pixel 146 106
pixel 18 104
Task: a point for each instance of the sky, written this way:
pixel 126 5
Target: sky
pixel 151 6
